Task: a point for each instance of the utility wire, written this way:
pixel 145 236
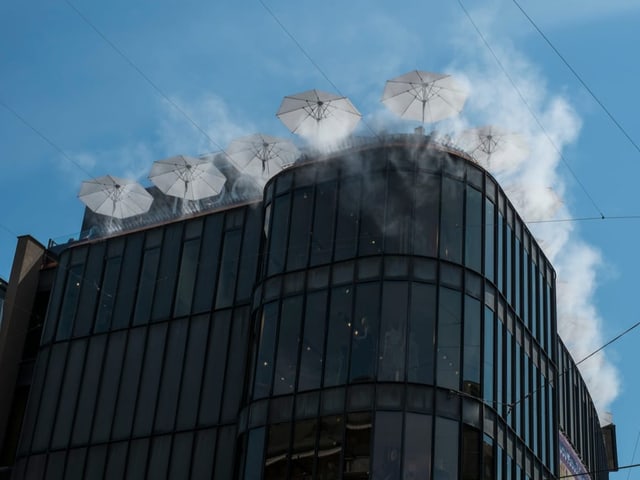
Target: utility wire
pixel 133 65
pixel 608 343
pixel 524 101
pixel 43 136
pixel 311 60
pixel 584 219
pixel 578 77
pixel 606 470
pixel 633 456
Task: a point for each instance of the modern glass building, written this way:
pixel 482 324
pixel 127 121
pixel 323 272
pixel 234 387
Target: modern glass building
pixel 381 312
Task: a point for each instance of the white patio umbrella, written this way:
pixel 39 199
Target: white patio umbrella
pixel 262 156
pixel 115 197
pixel 424 96
pixel 187 177
pixel 318 115
pixel 493 147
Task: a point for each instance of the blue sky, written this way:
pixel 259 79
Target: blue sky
pixel 228 65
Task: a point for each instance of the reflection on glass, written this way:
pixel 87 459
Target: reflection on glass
pixel 445 456
pixel 70 301
pixel 386 446
pixel 471 453
pixel 187 277
pixel 253 462
pixel 275 462
pixel 489 235
pixel 451 220
pixel 146 285
pixel 417 446
pixel 471 353
pixel 288 342
pixel 372 217
pixel 347 222
pixel 329 448
pixel 397 229
pixel 364 334
pixel 473 229
pixel 392 331
pixel 357 445
pixel 421 333
pixel 323 221
pixel 449 337
pixel 266 346
pixel 427 200
pixel 338 336
pixel 279 229
pixel 311 356
pixel 301 211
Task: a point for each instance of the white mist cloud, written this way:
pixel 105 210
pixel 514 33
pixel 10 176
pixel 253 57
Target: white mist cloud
pixel 537 188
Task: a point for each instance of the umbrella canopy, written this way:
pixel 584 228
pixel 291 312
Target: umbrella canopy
pixel 187 178
pixel 492 147
pixel 262 156
pixel 424 96
pixel 115 197
pixel 318 115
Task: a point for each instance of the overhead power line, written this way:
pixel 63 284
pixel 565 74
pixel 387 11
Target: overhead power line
pixel 529 108
pixel 578 77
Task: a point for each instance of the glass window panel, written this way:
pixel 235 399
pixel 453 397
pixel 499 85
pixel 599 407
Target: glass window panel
pixel 116 461
pixel 333 400
pixel 372 215
pixel 275 462
pixel 357 445
pixel 149 382
pixel 323 223
pixel 233 389
pixel 55 465
pixel 128 282
pixel 338 336
pixel 348 218
pixel 70 301
pixel 417 446
pixel 36 466
pixel 171 376
pixel 208 264
pixel 195 355
pixel 397 231
pixel 471 453
pixel 226 452
pixel 426 214
pixel 108 294
pixel 89 390
pixel 392 331
pixel 422 320
pixel 471 353
pixel 311 357
pixel 181 455
pixel 96 460
pixel 451 220
pixel 369 268
pixel 307 405
pixel 396 267
pixel 159 457
pixel 187 277
pixel 228 268
pixel 250 254
pixel 50 325
pixel 255 449
pixel 342 273
pixel 131 369
pixel 75 464
pixel 146 286
pixel 301 216
pixel 288 344
pixel 266 350
pixel 278 235
pixel 449 336
pixel 489 235
pixel 386 446
pixel 137 462
pixel 389 397
pixel 32 408
pixel 473 229
pixel 167 273
pixel 69 394
pixel 213 381
pixel 500 255
pixel 445 455
pixel 365 332
pixel 103 414
pixel 318 278
pixel 204 455
pixel 329 447
pixel 89 290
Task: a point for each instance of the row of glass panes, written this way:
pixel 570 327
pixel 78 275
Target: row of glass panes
pixel 184 268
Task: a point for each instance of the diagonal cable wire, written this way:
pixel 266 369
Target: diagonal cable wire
pixel 38 132
pixel 308 57
pixel 153 85
pixel 578 77
pixel 533 114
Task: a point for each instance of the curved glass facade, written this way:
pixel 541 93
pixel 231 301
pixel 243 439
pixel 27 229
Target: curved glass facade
pixel 384 313
pixel 399 287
